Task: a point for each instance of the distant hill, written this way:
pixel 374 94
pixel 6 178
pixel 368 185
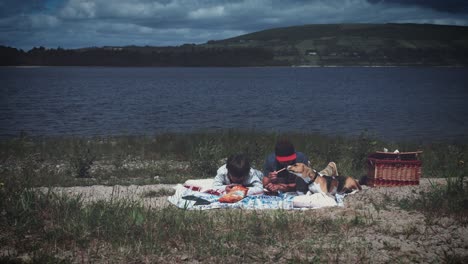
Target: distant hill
pixel 308 45
pixel 360 44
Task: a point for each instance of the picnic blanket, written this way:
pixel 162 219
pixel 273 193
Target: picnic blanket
pixel 199 195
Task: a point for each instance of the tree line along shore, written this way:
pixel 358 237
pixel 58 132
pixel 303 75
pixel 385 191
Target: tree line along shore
pixel 307 45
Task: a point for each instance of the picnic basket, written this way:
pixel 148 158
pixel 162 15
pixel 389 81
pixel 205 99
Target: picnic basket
pixel 394 169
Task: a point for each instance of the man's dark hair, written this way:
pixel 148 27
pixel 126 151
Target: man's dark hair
pixel 238 165
pixel 284 147
pixel 285 154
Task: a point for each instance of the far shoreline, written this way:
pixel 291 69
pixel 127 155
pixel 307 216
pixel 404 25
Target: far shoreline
pixel 224 67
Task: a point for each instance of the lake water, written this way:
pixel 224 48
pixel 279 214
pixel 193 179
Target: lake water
pixel 391 103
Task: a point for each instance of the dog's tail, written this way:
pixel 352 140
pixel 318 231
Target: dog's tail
pixel 352 184
pixel 358 185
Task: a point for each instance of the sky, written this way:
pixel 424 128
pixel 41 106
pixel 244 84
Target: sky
pixel 69 24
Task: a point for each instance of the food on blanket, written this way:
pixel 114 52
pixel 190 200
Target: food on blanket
pixel 324 184
pixel 236 194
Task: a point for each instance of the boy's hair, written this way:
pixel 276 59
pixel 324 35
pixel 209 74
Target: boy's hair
pixel 238 165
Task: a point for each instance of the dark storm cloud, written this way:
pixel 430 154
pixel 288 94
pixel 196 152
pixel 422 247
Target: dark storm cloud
pixel 79 23
pixel 451 6
pixel 9 7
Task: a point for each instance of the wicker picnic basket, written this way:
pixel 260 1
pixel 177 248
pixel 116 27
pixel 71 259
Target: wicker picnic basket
pixel 394 169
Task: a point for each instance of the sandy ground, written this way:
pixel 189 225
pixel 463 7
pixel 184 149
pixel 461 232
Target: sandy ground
pixel 389 233
pixel 407 236
pixel 142 193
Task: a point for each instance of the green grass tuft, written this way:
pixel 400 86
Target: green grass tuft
pixel 450 199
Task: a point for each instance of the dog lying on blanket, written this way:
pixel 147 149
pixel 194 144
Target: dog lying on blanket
pixel 324 184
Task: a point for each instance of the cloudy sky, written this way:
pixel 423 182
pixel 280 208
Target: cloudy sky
pixel 84 23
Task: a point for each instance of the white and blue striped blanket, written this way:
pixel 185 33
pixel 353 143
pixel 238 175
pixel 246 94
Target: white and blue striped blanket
pixel 189 199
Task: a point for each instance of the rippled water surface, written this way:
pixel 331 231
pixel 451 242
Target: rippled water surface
pixel 391 103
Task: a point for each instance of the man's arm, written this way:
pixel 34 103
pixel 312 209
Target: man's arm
pixel 266 181
pixel 269 165
pixel 282 187
pixel 274 187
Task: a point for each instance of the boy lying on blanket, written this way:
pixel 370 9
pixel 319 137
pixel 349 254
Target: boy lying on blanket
pixel 237 171
pixel 237 174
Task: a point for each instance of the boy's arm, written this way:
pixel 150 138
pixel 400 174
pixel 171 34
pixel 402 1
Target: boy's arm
pixel 219 182
pixel 255 190
pixel 256 183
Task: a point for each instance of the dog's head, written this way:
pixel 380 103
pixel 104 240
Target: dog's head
pixel 300 169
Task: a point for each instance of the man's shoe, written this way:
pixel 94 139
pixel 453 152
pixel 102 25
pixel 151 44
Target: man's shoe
pixel 330 170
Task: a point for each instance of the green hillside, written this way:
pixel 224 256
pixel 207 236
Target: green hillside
pixel 309 45
pixel 359 44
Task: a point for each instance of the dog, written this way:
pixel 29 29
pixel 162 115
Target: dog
pixel 324 184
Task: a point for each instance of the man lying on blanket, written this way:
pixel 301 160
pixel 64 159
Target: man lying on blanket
pixel 237 171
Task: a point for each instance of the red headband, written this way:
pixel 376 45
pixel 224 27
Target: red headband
pixel 286 158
